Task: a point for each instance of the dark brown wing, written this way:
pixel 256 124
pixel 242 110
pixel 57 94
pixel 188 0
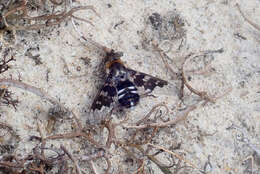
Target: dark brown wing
pixel 145 81
pixel 105 97
pixel 103 103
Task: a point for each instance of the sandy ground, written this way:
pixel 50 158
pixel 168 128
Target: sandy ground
pixel 221 137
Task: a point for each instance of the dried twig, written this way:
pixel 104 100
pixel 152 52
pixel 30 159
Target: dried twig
pixel 152 111
pixel 181 116
pixel 202 94
pixel 63 167
pixel 174 74
pixel 6 98
pixel 11 17
pixel 32 89
pixel 108 165
pixel 140 169
pixel 99 154
pixel 89 40
pixel 176 155
pixel 4 64
pixel 244 16
pixel 111 136
pixel 77 134
pixel 72 159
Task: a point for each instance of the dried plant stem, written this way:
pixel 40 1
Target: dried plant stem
pixel 21 7
pixel 77 134
pixel 181 116
pixel 151 111
pixel 92 166
pixel 111 136
pixel 108 165
pixel 202 94
pixel 166 64
pixel 88 40
pixel 176 155
pixel 10 165
pixel 164 169
pixel 249 21
pixel 47 19
pixel 80 127
pixel 32 89
pixel 140 169
pixel 72 159
pixel 99 154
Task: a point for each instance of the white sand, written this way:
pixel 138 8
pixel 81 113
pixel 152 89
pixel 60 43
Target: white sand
pixel 209 25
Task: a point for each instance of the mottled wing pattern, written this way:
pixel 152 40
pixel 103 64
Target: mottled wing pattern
pixel 105 97
pixel 145 81
pixel 103 103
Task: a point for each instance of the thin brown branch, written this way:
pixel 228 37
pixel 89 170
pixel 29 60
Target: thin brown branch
pixel 63 168
pixel 202 94
pixel 111 133
pixel 80 127
pixel 46 19
pixel 140 169
pixel 20 7
pixel 174 74
pixel 77 134
pixel 92 166
pixel 76 165
pixel 149 139
pixel 249 21
pixel 164 169
pixel 64 136
pixel 34 168
pixel 56 2
pixel 10 165
pixel 81 19
pixel 180 117
pixel 99 154
pixel 151 111
pixel 108 165
pixel 32 89
pixel 176 155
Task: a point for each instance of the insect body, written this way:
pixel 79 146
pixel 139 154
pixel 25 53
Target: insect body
pixel 127 94
pixel 123 85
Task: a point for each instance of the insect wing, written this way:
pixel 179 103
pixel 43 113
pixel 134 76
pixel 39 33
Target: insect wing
pixel 147 83
pixel 103 103
pixel 105 97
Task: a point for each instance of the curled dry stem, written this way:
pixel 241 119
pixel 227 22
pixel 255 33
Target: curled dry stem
pixel 176 155
pixel 152 111
pixel 46 19
pixel 180 117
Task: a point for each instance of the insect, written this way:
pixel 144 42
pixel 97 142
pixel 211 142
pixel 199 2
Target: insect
pixel 122 85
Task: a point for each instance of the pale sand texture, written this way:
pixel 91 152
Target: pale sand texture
pixel 209 25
